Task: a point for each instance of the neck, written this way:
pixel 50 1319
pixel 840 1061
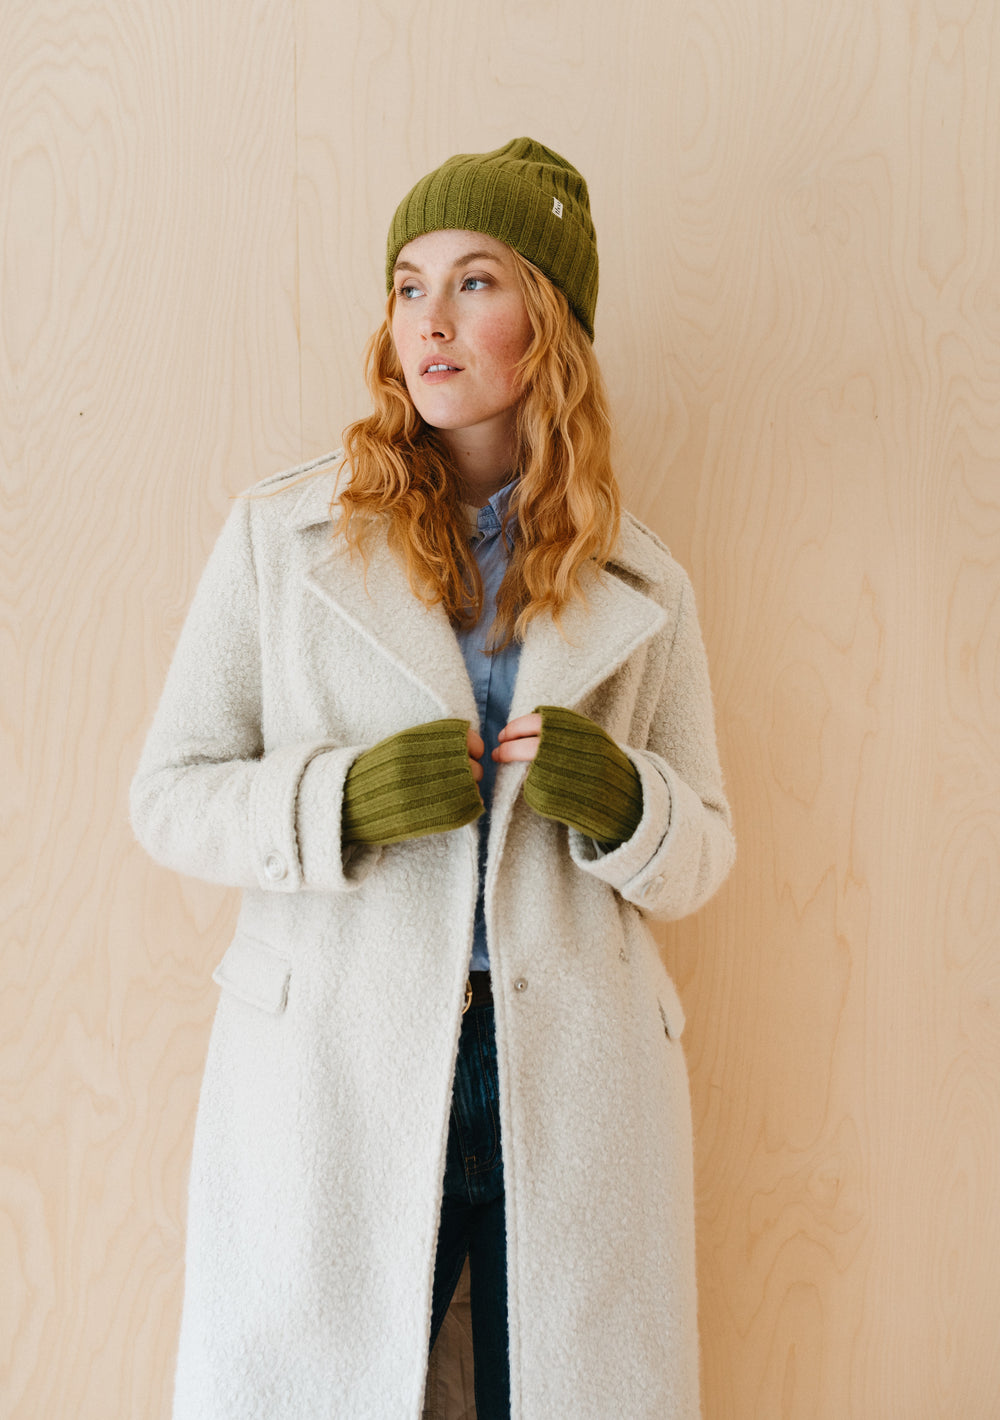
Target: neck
pixel 479 492
pixel 483 460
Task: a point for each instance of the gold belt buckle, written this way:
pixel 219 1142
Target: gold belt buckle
pixel 468 995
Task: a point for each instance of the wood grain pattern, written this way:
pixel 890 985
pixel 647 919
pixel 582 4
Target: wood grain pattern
pixel 149 367
pixel 800 326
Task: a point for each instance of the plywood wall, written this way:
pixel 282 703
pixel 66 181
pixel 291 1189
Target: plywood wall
pixel 800 322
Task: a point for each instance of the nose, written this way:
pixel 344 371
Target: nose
pixel 436 321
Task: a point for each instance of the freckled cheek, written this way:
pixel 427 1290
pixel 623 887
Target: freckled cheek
pixel 509 341
pixel 404 354
pixel 399 343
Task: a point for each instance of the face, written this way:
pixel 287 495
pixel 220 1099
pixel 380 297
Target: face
pixel 460 327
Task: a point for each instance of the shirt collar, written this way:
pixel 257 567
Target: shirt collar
pixel 489 518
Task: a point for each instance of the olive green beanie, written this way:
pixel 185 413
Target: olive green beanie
pixel 522 194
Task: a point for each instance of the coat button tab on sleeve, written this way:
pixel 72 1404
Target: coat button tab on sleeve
pixel 274 866
pixel 520 984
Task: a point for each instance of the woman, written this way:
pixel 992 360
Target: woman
pixel 450 615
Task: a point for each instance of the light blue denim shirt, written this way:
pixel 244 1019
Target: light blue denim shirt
pixel 492 677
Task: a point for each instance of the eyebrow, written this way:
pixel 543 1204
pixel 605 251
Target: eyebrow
pixel 462 261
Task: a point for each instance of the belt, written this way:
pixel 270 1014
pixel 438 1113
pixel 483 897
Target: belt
pixel 478 991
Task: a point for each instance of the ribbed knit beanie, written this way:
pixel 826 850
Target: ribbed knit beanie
pixel 522 194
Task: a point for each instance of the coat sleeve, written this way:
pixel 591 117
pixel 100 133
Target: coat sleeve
pixel 207 800
pixel 683 847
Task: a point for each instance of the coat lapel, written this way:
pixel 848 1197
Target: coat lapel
pixel 378 603
pixel 561 667
pixel 557 666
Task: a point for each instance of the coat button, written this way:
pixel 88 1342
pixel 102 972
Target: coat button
pixel 654 886
pixel 520 984
pixel 274 866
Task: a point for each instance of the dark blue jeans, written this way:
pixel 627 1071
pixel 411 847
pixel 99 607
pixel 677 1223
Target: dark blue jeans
pixel 472 1213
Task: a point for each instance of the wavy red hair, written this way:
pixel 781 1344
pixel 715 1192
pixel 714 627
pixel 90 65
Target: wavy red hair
pixel 566 503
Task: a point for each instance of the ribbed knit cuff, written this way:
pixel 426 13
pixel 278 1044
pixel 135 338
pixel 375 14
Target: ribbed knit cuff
pixel 581 778
pixel 411 784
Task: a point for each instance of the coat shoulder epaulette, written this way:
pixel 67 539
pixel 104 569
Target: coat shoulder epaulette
pixel 645 533
pixel 642 553
pixel 289 476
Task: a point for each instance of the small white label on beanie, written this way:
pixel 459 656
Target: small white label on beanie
pixel 557 206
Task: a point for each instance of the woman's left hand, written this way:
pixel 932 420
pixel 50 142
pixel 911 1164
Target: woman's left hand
pixel 517 742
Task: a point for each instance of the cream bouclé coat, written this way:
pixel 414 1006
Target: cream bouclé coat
pixel 323 1118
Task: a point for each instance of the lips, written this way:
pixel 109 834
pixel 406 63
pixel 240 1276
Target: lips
pixel 436 365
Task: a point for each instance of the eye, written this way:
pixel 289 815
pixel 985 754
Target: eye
pixel 407 292
pixel 475 283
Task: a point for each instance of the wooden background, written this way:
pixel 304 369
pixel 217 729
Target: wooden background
pixel 800 324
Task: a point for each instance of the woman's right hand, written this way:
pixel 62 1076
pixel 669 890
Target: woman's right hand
pixel 413 783
pixel 476 751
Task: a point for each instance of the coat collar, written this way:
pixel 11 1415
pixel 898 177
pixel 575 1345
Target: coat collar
pixel 557 667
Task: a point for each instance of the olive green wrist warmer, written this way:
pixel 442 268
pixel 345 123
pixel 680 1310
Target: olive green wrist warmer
pixel 411 784
pixel 581 778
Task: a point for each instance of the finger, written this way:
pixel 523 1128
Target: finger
pixel 475 744
pixel 477 769
pixel 517 751
pixel 524 725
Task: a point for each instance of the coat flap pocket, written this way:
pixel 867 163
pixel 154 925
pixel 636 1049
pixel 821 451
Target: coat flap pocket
pixel 671 1009
pixel 256 973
